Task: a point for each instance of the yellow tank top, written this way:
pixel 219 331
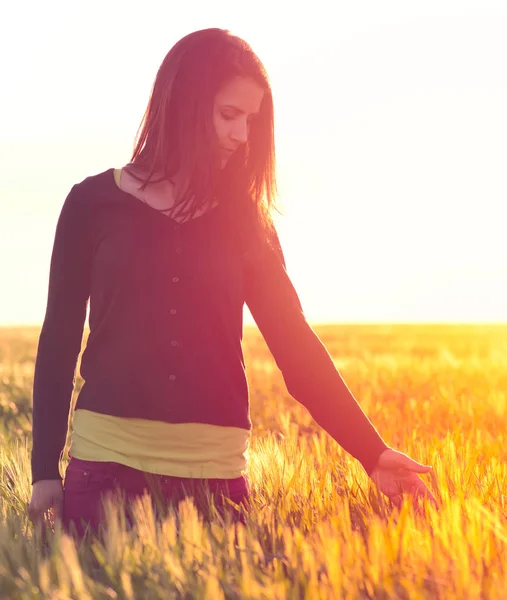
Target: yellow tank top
pixel 196 450
pixel 179 449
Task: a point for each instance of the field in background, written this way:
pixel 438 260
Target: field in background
pixel 316 527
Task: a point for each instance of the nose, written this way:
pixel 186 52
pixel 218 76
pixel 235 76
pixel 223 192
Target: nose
pixel 240 131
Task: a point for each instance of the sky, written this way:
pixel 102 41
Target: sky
pixel 391 138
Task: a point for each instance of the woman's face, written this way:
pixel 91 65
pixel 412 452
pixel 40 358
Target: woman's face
pixel 236 104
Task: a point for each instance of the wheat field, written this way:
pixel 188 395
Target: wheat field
pixel 316 526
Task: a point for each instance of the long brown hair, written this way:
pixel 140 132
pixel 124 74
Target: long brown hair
pixel 176 135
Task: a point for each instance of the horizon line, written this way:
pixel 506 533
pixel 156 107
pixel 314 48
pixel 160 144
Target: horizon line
pixel 316 324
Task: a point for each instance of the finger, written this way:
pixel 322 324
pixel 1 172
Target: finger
pixel 34 514
pixel 58 507
pixel 412 465
pixel 397 500
pixel 416 467
pixel 433 500
pixel 420 490
pixel 31 511
pixel 417 507
pixel 419 511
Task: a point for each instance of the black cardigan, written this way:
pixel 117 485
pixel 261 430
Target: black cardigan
pixel 166 324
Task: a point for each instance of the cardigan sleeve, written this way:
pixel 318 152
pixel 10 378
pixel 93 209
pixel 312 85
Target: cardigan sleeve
pixel 307 367
pixel 61 335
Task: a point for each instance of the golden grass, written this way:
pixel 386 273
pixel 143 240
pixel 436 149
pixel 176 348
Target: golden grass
pixel 316 527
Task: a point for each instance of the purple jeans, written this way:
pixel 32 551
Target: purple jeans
pixel 87 483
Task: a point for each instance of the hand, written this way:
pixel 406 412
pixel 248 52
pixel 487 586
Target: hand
pixel 46 494
pixel 396 473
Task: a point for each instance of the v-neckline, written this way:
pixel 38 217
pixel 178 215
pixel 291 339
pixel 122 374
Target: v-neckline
pixel 151 209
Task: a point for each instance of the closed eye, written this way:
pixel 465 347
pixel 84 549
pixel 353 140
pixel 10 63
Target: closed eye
pixel 230 117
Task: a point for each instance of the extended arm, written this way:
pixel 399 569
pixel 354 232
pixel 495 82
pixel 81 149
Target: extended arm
pixel 307 367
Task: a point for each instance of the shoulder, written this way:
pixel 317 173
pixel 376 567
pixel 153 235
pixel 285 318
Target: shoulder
pixel 96 183
pixel 84 197
pixel 85 193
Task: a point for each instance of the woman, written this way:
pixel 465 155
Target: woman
pixel 168 249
